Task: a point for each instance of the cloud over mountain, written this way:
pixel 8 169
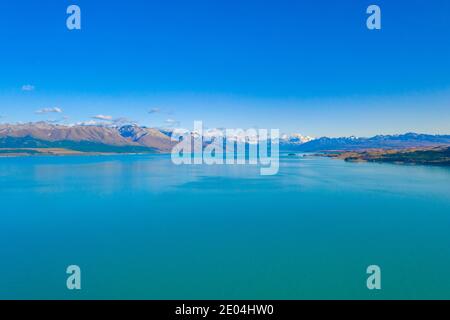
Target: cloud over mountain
pixel 49 110
pixel 171 123
pixel 102 117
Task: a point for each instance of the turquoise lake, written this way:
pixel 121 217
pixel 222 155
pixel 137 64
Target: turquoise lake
pixel 142 228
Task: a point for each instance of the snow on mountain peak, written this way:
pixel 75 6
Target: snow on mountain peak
pixel 295 138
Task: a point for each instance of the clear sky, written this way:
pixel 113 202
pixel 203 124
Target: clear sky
pixel 308 66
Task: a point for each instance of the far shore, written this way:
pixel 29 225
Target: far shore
pixel 437 156
pixel 28 152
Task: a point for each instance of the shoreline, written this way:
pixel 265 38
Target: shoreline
pixel 433 156
pixel 60 152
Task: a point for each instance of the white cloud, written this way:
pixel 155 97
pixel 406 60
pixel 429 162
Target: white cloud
pixel 28 87
pixel 154 110
pixel 52 121
pixel 102 117
pixel 88 123
pixel 49 110
pixel 172 123
pixel 105 121
pixel 60 120
pixel 124 121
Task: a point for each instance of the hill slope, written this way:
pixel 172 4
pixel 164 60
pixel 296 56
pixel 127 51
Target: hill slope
pixel 128 138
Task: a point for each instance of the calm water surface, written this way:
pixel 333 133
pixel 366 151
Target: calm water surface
pixel 140 227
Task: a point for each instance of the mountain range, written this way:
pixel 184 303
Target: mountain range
pixel 126 138
pixel 134 138
pixel 402 141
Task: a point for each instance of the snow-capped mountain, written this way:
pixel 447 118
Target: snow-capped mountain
pixel 48 135
pixel 295 138
pixel 398 141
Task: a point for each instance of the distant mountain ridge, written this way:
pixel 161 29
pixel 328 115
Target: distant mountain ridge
pixel 408 140
pixel 53 135
pixel 134 138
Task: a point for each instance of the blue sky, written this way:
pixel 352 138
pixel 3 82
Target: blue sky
pixel 307 66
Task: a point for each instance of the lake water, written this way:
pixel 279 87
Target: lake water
pixel 141 228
